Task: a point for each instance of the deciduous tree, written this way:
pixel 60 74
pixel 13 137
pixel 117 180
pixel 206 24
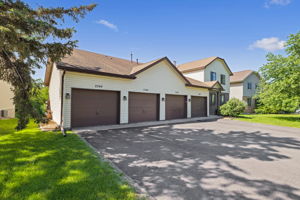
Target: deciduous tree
pixel 279 90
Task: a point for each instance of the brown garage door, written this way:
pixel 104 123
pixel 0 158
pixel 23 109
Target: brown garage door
pixel 94 107
pixel 143 107
pixel 175 107
pixel 199 106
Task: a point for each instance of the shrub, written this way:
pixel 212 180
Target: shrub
pixel 36 106
pixel 233 108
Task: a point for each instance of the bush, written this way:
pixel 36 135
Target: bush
pixel 31 104
pixel 278 106
pixel 233 108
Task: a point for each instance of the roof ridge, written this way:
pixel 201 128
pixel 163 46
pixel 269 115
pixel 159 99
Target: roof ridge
pixel 88 51
pixel 214 57
pixel 250 70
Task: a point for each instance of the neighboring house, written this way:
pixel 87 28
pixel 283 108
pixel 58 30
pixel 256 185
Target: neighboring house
pixel 243 85
pixel 88 89
pixel 212 70
pixel 7 107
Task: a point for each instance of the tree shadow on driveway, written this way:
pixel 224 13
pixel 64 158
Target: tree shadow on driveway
pixel 177 162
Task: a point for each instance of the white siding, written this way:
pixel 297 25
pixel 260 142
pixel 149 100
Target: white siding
pixel 6 99
pixel 219 67
pixel 236 91
pixel 161 79
pixel 55 93
pixel 197 75
pixel 253 79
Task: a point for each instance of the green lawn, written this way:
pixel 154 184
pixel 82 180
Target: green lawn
pixel 46 165
pixel 289 120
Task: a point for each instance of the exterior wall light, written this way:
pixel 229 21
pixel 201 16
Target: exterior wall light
pixel 163 99
pixel 124 98
pixel 189 100
pixel 68 96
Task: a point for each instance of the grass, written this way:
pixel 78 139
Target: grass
pixel 288 120
pixel 45 165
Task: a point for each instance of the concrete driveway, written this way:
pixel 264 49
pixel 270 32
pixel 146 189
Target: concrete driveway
pixel 224 159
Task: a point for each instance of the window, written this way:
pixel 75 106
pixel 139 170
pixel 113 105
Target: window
pixel 3 113
pixel 249 101
pixel 249 86
pixel 213 76
pixel 213 99
pixel 222 79
pixel 222 98
pixel 256 85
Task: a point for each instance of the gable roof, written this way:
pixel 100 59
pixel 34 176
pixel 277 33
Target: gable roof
pixel 81 59
pixel 209 84
pixel 99 64
pixel 200 64
pixel 212 84
pixel 240 76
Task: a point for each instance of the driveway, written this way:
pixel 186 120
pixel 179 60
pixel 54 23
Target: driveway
pixel 224 159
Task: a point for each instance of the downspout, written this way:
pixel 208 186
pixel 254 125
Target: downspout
pixel 61 104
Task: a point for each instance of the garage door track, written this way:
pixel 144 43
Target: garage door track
pixel 224 159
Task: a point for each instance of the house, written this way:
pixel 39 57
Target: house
pixel 213 71
pixel 7 107
pixel 243 86
pixel 87 89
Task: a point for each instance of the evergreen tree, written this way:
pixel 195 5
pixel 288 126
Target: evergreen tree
pixel 28 40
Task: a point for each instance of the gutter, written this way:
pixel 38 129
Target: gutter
pixel 197 86
pixel 61 104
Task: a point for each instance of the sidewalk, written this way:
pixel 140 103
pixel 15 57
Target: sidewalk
pixel 143 124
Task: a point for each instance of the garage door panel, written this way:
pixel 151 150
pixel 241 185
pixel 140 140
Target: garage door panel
pixel 143 107
pixel 93 107
pixel 175 107
pixel 199 106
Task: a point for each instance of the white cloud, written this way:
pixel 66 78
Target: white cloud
pixel 268 44
pixel 277 2
pixel 108 24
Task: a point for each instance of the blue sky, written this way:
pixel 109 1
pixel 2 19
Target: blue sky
pixel 240 31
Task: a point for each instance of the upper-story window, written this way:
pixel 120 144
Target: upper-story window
pixel 249 86
pixel 213 76
pixel 223 79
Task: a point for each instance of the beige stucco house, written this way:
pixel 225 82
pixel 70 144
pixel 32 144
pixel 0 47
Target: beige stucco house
pixel 7 108
pixel 88 89
pixel 243 86
pixel 210 70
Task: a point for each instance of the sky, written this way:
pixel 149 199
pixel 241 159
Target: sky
pixel 240 31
